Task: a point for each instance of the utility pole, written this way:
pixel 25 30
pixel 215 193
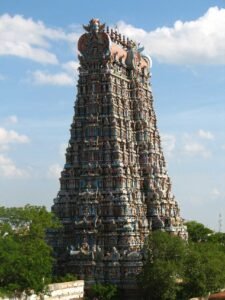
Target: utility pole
pixel 220 222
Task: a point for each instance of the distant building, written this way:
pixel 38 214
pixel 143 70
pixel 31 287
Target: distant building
pixel 114 186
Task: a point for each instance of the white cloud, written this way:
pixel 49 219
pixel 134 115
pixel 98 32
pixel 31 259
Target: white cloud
pixel 62 149
pixel 45 78
pixel 4 147
pixel 200 41
pixel 71 66
pixel 65 78
pixel 168 143
pixel 54 171
pixel 196 149
pixel 205 134
pixel 216 193
pixel 11 136
pixel 2 77
pixel 29 39
pixel 8 169
pixel 12 119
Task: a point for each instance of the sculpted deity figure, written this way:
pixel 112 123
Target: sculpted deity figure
pixel 94 26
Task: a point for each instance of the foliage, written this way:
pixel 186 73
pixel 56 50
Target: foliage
pixel 65 278
pixel 175 269
pixel 25 258
pixel 218 238
pixel 198 232
pixel 163 267
pixel 103 291
pixel 204 269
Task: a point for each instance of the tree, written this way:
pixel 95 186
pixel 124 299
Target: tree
pixel 100 291
pixel 175 269
pixel 25 258
pixel 217 238
pixel 204 269
pixel 163 268
pixel 197 232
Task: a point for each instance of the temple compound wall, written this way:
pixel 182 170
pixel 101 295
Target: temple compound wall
pixel 72 290
pixel 114 188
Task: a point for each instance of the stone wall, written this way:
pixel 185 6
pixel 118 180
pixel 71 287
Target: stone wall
pixel 72 290
pixel 200 298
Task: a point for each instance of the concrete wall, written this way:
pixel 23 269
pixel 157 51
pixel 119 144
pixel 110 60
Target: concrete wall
pixel 72 290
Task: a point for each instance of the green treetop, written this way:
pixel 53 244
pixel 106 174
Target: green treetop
pixel 25 258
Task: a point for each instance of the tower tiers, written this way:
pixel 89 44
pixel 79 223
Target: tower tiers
pixel 114 188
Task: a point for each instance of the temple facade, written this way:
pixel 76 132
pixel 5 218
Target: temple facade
pixel 114 188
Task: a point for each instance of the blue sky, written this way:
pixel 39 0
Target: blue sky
pixel 38 62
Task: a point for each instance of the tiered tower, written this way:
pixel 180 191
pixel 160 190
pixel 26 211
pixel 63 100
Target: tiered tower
pixel 114 185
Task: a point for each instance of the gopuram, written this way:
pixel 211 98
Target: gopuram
pixel 114 188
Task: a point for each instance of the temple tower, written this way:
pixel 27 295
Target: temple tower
pixel 114 188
